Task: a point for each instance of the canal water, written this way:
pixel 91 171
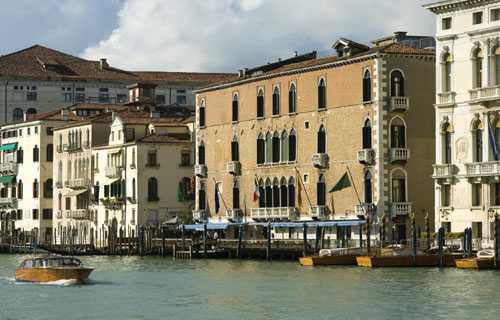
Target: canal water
pixel 162 288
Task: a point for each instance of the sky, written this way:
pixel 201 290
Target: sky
pixel 202 35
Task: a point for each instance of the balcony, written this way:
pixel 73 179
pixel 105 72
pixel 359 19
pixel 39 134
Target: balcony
pixel 72 147
pixel 66 183
pixel 68 214
pixel 484 94
pixel 8 168
pixel 320 160
pixel 400 154
pixel 363 209
pixel 59 148
pixel 318 212
pixel 199 215
pixel 113 172
pixel 400 104
pixel 234 214
pixel 200 170
pixel 234 167
pixel 79 214
pixel 285 213
pixel 443 171
pixel 400 208
pixel 445 99
pixel 81 183
pixel 7 201
pixel 482 169
pixel 59 214
pixel 59 184
pixel 366 156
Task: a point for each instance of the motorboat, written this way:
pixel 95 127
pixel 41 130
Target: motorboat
pixel 336 256
pixel 50 269
pixel 485 259
pixel 405 258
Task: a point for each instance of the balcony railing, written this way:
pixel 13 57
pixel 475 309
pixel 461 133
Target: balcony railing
pixel 81 183
pixel 400 103
pixel 443 171
pixel 199 215
pixel 400 208
pixel 366 156
pixel 482 168
pixel 484 94
pixel 10 167
pixel 79 214
pixel 234 167
pixel 364 209
pixel 285 213
pixel 318 212
pixel 446 98
pixel 66 183
pixel 320 160
pixel 71 147
pixel 59 184
pixel 234 213
pixel 200 170
pixel 113 172
pixel 59 214
pixel 400 154
pixel 7 201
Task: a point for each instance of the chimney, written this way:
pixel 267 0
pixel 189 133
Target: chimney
pixel 65 115
pixel 240 73
pixel 296 54
pixel 279 59
pixel 154 114
pixel 103 64
pixel 245 70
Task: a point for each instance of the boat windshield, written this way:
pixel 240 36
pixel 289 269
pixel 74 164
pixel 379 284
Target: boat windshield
pixel 58 262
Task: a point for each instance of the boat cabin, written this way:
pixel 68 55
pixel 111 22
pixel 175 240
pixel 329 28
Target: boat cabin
pixel 48 262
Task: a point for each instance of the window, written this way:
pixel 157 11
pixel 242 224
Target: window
pixel 35 189
pixel 30 96
pixel 17 114
pixel 476 194
pixel 121 98
pixel 262 192
pixel 398 186
pixel 50 152
pixel 133 189
pixel 477 17
pixel 260 104
pixel 96 191
pixel 446 73
pixel 35 214
pixel 152 189
pixel 397 84
pixel 446 138
pixel 49 131
pixel 284 146
pixel 276 193
pixel 36 154
pixel 20 189
pixel 321 94
pixel 477 133
pixel 235 107
pixel 68 203
pixel 276 147
pixel 20 132
pixel 236 195
pixel 185 158
pixel 367 86
pixel 261 149
pixel 65 97
pixel 283 192
pixel 160 99
pixel 445 195
pixel 321 190
pixel 201 153
pixel 306 125
pixel 103 95
pixel 202 113
pixel 48 189
pixel 495 15
pixel 47 214
pixel 20 155
pixel 367 135
pixel 446 23
pixel 181 96
pixel 368 187
pixel 322 139
pixel 291 192
pixel 202 198
pixel 31 111
pixel 36 130
pixel 292 99
pixel 496 66
pixel 79 97
pixel 235 153
pixel 276 101
pixel 152 158
pixel 292 146
pixel 269 193
pixel 477 66
pixel 398 139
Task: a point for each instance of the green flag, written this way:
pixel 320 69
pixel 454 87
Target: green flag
pixel 180 197
pixel 343 183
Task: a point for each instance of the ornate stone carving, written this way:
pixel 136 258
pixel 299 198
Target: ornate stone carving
pixel 462 149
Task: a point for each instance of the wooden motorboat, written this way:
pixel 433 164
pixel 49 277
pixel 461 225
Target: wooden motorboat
pixel 338 256
pixel 49 269
pixel 485 259
pixel 404 258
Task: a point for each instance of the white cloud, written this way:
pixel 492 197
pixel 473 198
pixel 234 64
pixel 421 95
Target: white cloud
pixel 226 35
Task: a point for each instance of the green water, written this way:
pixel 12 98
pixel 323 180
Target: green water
pixel 161 288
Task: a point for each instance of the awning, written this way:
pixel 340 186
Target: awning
pixel 210 226
pixel 309 224
pixel 8 146
pixel 75 193
pixel 7 179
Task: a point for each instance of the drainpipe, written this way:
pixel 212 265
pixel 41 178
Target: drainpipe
pixel 170 96
pixel 5 96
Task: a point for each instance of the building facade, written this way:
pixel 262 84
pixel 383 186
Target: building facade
pixel 466 170
pixel 291 129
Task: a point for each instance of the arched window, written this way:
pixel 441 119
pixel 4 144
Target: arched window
pixel 321 94
pixel 269 193
pixel 398 134
pixel 96 191
pixel 368 187
pixel 20 189
pixel 446 134
pixel 446 66
pixel 59 202
pixel 321 190
pixel 75 171
pixel 477 133
pixel 477 68
pixel 261 149
pixel 276 193
pixel 202 197
pixel 262 192
pixel 202 113
pixel 367 86
pixel 291 192
pixel 284 192
pixel 31 111
pixel 236 195
pixel 235 107
pixel 367 134
pixel 36 154
pixel 292 146
pixel 201 153
pixel 321 139
pixel 20 155
pixel 398 186
pixel 292 99
pixel 397 84
pixel 496 66
pixel 269 148
pixel 50 152
pixel 152 189
pixel 276 101
pixel 35 189
pixel 276 147
pixel 17 114
pixel 68 170
pixel 284 146
pixel 260 103
pixel 235 153
pixel 48 189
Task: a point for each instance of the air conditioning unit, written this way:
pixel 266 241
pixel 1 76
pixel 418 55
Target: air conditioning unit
pixel 199 215
pixel 234 167
pixel 320 160
pixel 200 170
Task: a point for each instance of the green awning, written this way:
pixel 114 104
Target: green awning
pixel 6 179
pixel 75 193
pixel 9 146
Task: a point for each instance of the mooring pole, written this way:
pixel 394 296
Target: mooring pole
pixel 269 241
pixel 360 236
pixel 368 234
pixel 318 235
pixel 343 236
pixel 163 240
pixel 427 231
pixel 238 251
pixel 205 240
pixel 304 238
pixel 141 241
pixel 496 239
pixel 469 253
pixel 414 238
pixel 183 236
pixel 440 245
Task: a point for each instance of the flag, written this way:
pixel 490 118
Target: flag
pixel 217 204
pixel 256 192
pixel 492 140
pixel 341 184
pixel 191 185
pixel 180 197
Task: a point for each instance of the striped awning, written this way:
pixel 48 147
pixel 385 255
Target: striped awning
pixel 8 146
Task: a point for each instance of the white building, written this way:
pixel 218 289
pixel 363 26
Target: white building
pixel 467 171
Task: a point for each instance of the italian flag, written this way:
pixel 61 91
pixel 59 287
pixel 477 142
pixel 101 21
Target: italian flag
pixel 256 194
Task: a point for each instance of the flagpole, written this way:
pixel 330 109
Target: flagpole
pixel 303 187
pixel 220 194
pixel 355 190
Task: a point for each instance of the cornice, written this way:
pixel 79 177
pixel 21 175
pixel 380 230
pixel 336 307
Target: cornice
pixel 495 30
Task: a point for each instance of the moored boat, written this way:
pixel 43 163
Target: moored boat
pixel 49 269
pixel 405 258
pixel 485 259
pixel 338 256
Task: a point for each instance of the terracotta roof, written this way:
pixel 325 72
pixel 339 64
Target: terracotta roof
pixel 189 119
pixel 166 138
pixel 144 117
pixel 41 62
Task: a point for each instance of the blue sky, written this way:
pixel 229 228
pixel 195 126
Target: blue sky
pixel 202 35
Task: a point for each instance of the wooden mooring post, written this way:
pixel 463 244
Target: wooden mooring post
pixel 163 241
pixel 268 252
pixel 238 251
pixel 205 240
